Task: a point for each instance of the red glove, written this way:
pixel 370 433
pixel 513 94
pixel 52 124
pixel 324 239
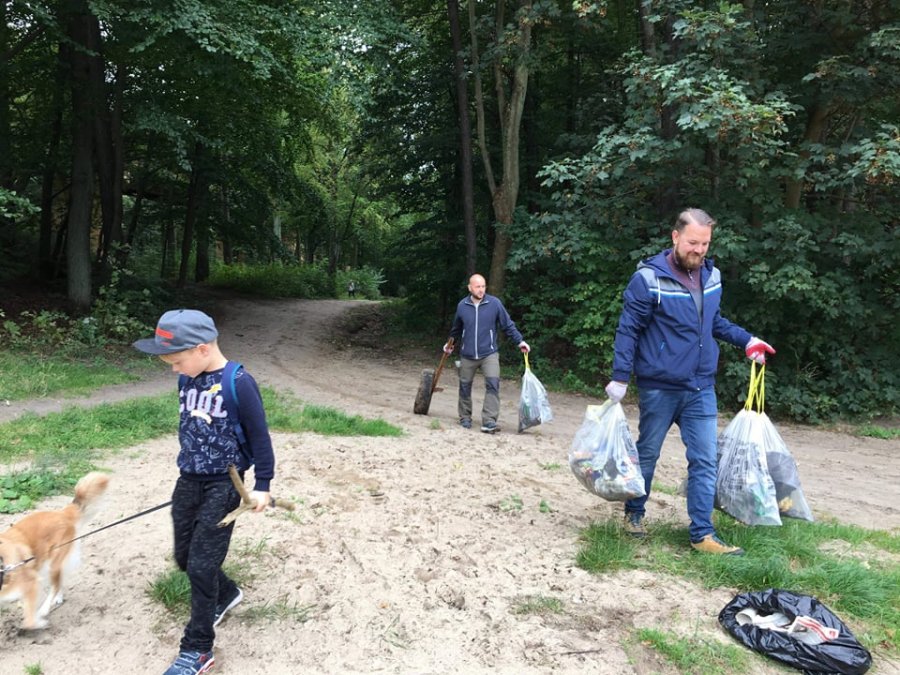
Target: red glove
pixel 756 349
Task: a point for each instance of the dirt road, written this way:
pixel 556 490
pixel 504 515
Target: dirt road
pixel 409 555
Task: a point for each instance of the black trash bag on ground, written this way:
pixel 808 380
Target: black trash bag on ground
pixel 844 654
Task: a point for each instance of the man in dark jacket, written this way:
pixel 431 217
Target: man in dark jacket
pixel 667 337
pixel 475 329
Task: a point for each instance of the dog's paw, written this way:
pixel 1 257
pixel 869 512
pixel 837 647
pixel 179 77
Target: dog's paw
pixel 37 624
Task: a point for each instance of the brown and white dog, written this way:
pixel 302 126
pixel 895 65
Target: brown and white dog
pixel 41 539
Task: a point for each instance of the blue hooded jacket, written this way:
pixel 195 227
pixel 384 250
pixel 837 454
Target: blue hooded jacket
pixel 475 326
pixel 661 336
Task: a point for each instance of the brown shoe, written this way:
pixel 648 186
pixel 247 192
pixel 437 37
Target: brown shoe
pixel 634 525
pixel 712 544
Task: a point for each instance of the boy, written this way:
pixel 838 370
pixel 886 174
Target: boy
pixel 204 493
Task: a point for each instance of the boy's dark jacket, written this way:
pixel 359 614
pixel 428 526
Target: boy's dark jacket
pixel 662 338
pixel 208 440
pixel 475 326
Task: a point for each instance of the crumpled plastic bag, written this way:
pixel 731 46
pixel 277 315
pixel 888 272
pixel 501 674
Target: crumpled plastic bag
pixel 534 408
pixel 604 457
pixel 841 654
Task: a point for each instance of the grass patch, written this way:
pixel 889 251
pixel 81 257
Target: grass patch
pixel 862 583
pixel 875 431
pixel 85 430
pixel 172 588
pixel 19 491
pixel 278 610
pixel 537 604
pixel 284 414
pixel 28 376
pixel 694 654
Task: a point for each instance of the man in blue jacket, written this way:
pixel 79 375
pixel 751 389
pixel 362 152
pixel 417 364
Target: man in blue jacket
pixel 667 337
pixel 475 329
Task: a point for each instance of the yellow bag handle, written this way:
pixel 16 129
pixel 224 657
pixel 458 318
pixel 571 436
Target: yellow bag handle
pixel 527 367
pixel 756 394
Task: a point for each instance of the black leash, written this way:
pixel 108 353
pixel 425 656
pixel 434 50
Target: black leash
pixel 9 568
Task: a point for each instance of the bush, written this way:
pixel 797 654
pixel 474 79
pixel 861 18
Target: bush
pixel 368 281
pixel 275 280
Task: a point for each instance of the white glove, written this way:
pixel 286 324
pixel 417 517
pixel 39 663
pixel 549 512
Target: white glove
pixel 616 391
pixel 448 348
pixel 262 499
pixel 524 346
pixel 756 349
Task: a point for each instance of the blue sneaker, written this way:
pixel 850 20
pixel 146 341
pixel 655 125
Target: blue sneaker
pixel 222 609
pixel 192 663
pixel 465 423
pixel 490 427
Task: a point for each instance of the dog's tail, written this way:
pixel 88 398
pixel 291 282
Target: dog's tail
pixel 88 492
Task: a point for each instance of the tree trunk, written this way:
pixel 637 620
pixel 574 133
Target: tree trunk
pixel 465 137
pixel 510 108
pixel 815 124
pixel 48 178
pixel 195 191
pixel 78 239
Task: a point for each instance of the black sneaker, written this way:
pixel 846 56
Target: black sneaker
pixel 222 610
pixel 490 427
pixel 465 423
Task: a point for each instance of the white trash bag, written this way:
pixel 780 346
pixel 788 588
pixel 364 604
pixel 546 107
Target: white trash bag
pixel 604 458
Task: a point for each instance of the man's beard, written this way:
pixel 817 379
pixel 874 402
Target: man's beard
pixel 687 263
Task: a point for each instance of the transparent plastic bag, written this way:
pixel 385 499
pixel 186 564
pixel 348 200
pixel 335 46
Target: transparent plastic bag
pixel 604 458
pixel 784 473
pixel 744 488
pixel 534 408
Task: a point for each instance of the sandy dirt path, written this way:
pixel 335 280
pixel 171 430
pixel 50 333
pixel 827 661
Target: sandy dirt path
pixel 406 555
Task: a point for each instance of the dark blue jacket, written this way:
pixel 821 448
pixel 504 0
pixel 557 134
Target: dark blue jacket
pixel 475 326
pixel 661 336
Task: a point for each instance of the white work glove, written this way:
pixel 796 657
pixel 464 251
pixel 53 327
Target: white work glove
pixel 616 391
pixel 262 499
pixel 756 349
pixel 524 347
pixel 448 348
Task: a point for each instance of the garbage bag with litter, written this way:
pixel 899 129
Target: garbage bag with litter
pixel 796 630
pixel 604 457
pixel 534 408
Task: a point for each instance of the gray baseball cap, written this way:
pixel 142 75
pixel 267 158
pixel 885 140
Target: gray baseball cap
pixel 179 330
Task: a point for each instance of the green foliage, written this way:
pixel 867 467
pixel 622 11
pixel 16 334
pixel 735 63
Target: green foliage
pixel 275 280
pixel 19 491
pixel 368 282
pixel 283 414
pixel 875 431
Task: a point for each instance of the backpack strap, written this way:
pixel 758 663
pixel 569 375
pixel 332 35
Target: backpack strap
pixel 232 406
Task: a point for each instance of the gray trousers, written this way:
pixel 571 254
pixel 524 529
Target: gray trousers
pixel 490 370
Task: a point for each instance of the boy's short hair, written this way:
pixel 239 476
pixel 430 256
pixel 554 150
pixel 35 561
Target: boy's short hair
pixel 179 330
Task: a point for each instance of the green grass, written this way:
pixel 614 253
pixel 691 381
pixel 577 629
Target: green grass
pixel 172 588
pixel 28 376
pixel 537 604
pixel 695 654
pixel 855 572
pixel 875 431
pixel 284 414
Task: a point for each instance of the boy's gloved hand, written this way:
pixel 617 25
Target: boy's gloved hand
pixel 524 347
pixel 756 349
pixel 262 499
pixel 616 391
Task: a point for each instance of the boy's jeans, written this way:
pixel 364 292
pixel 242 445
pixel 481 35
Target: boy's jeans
pixel 695 414
pixel 200 550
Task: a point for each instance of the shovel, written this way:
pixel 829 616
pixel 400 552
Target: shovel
pixel 428 384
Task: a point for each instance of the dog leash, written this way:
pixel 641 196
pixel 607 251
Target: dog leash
pixel 5 569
